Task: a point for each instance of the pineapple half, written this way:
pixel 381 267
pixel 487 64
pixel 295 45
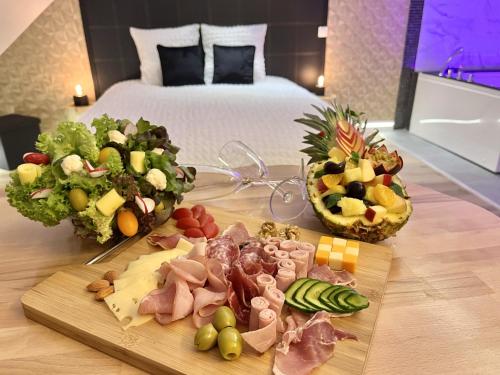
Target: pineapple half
pixel 343 129
pixel 355 227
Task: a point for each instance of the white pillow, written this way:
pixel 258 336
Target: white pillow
pixel 232 36
pixel 146 41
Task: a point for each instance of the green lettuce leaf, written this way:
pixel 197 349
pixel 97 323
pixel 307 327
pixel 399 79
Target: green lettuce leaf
pixel 96 222
pixel 114 164
pixel 102 126
pixel 93 186
pixel 69 138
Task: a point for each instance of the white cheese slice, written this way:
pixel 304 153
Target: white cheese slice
pixel 335 260
pixel 184 245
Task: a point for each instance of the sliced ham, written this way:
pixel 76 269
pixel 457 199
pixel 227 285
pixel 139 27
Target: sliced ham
pixel 237 232
pixel 276 299
pixel 216 278
pixel 263 338
pixel 281 254
pixel 205 304
pixel 311 250
pixel 324 273
pixel 258 304
pixel 284 278
pixel 171 303
pixel 286 263
pixel 301 260
pixel 264 280
pixel 288 245
pixel 276 241
pixel 192 271
pixel 307 347
pixel 269 251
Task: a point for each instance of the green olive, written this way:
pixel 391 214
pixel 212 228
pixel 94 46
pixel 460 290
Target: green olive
pixel 230 343
pixel 78 199
pixel 224 317
pixel 206 337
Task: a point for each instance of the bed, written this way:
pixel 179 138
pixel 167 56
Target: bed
pixel 201 119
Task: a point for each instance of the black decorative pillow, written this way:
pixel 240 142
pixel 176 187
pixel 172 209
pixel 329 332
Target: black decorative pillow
pixel 233 64
pixel 182 65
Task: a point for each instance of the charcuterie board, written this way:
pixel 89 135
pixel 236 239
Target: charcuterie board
pixel 62 303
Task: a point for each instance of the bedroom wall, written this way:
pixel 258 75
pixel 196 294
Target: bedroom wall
pixel 39 71
pixel 364 54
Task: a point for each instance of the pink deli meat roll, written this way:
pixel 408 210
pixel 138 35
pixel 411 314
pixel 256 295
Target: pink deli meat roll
pixel 269 251
pixel 262 339
pixel 281 254
pixel 276 299
pixel 258 304
pixel 286 263
pixel 284 278
pixel 288 245
pixel 301 260
pixel 264 280
pixel 311 250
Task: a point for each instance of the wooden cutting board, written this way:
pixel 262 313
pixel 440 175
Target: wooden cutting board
pixel 62 303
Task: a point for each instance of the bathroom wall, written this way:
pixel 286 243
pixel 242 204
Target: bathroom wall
pixel 450 24
pixel 364 54
pixel 39 71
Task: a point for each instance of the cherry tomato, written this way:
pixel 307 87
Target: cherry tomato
pixel 187 222
pixel 198 210
pixel 182 212
pixel 205 219
pixel 211 230
pixel 194 233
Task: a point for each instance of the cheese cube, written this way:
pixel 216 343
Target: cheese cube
pixel 324 247
pixel 352 243
pixel 350 259
pixel 110 202
pixel 326 240
pixel 322 257
pixel 341 242
pixel 335 261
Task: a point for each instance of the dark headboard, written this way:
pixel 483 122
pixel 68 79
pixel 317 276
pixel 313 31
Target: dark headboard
pixel 293 49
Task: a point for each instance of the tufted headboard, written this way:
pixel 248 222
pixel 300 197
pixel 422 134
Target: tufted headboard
pixel 293 49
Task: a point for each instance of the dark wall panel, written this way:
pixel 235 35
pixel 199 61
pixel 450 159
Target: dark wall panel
pixel 292 48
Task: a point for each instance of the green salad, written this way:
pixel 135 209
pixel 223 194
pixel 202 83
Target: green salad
pixel 120 180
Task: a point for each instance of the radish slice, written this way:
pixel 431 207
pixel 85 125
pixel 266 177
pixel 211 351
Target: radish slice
pixel 130 129
pixel 98 172
pixel 88 167
pixel 42 193
pixel 146 205
pixel 179 173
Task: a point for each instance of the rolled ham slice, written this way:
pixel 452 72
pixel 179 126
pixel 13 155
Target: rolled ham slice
pixel 301 260
pixel 205 304
pixel 311 250
pixel 258 304
pixel 269 251
pixel 281 254
pixel 264 280
pixel 265 337
pixel 276 299
pixel 284 278
pixel 286 263
pixel 288 245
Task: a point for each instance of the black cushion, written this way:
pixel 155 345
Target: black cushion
pixel 181 65
pixel 233 64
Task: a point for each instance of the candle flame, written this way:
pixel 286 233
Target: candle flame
pixel 321 81
pixel 79 90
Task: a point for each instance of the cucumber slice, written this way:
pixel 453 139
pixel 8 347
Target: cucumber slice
pixel 312 294
pixel 299 294
pixel 340 299
pixel 324 297
pixel 289 296
pixel 357 301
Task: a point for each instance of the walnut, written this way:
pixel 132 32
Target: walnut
pixel 268 229
pixel 290 232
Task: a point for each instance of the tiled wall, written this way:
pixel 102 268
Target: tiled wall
pixel 364 53
pixel 39 71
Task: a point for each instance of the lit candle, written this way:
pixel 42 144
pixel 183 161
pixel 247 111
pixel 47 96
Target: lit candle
pixel 321 82
pixel 79 90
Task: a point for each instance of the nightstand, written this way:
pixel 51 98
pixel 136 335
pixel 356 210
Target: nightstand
pixel 72 112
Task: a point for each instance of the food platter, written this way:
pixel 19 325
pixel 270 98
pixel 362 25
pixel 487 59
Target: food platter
pixel 62 303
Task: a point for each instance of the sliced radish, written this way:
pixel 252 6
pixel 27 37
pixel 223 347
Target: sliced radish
pixel 42 193
pixel 98 172
pixel 179 173
pixel 88 167
pixel 146 205
pixel 130 129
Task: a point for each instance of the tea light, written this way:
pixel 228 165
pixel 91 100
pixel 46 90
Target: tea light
pixel 80 99
pixel 321 82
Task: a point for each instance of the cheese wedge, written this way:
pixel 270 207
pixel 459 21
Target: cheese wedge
pixel 350 259
pixel 335 260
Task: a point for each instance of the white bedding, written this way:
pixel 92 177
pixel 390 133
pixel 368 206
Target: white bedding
pixel 201 119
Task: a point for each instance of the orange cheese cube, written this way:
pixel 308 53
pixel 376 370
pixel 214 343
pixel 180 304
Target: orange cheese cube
pixel 350 259
pixel 322 257
pixel 326 240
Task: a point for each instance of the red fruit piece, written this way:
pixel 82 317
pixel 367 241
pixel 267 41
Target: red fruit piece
pixel 36 158
pixel 211 230
pixel 182 212
pixel 198 210
pixel 321 186
pixel 205 219
pixel 187 222
pixel 194 233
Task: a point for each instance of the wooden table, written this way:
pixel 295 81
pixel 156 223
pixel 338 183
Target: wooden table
pixel 441 310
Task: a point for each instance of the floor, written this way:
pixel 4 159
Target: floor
pixel 438 169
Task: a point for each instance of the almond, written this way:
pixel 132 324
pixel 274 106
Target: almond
pixel 103 293
pixel 97 285
pixel 111 276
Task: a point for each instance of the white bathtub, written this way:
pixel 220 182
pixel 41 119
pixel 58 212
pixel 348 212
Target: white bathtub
pixel 461 117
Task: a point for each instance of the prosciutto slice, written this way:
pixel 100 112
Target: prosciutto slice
pixel 265 337
pixel 307 346
pixel 240 293
pixel 237 232
pixel 324 273
pixel 165 242
pixel 205 304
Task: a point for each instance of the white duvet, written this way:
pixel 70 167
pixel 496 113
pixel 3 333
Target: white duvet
pixel 201 119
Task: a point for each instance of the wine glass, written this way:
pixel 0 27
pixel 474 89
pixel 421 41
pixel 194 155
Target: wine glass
pixel 242 168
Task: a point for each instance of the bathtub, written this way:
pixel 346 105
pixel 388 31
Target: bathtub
pixel 461 117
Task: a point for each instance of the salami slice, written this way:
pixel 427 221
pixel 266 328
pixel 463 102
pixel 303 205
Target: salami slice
pixel 224 250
